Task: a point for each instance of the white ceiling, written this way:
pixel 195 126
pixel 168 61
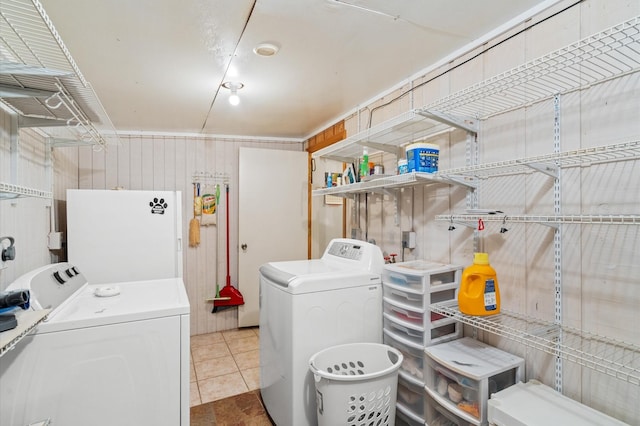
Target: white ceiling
pixel 157 65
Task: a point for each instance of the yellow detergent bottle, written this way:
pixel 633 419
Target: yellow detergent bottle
pixel 479 293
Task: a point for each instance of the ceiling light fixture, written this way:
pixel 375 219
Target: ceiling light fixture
pixel 234 99
pixel 266 49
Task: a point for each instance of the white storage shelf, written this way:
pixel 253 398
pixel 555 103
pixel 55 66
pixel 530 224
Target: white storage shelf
pixel 612 53
pixel 609 356
pixel 461 375
pixel 37 64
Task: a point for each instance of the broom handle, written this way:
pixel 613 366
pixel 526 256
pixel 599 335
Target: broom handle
pixel 228 274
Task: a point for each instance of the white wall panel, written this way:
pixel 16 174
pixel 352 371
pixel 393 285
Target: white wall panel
pixel 168 162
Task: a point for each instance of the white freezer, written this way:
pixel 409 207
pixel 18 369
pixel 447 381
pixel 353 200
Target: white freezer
pixel 115 236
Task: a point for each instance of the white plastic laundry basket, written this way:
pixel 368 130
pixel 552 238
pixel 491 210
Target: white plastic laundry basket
pixel 356 384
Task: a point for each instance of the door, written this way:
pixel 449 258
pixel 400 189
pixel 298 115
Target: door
pixel 272 218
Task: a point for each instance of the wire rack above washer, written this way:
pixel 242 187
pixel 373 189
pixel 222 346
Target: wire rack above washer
pixel 40 81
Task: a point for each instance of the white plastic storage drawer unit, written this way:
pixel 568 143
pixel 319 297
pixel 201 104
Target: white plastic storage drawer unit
pixel 409 288
pixel 461 375
pixel 535 404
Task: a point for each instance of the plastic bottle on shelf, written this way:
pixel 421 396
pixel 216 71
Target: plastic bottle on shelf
pixel 364 166
pixel 479 293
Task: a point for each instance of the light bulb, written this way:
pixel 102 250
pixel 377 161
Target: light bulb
pixel 234 99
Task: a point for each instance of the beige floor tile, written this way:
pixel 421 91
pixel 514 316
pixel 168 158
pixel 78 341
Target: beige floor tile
pixel 250 359
pixel 221 387
pixel 251 377
pixel 206 339
pixel 192 372
pixel 194 395
pixel 215 350
pixel 244 345
pixel 240 333
pixel 215 367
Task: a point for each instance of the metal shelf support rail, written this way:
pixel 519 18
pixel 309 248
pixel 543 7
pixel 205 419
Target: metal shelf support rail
pixel 10 191
pixel 609 356
pixel 549 220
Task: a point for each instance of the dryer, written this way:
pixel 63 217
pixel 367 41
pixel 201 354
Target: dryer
pixel 108 354
pixel 307 306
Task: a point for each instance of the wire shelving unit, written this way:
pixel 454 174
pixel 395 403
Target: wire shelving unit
pixel 612 357
pixel 35 62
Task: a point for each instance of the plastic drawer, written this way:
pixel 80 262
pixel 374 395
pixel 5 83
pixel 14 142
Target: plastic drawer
pixel 420 275
pixel 436 415
pixel 404 313
pixel 403 296
pixel 411 396
pixel 413 362
pixel 413 282
pixel 406 418
pixel 453 390
pixel 412 334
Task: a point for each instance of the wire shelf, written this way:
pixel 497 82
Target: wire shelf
pixel 609 54
pixel 468 176
pixel 10 191
pixel 33 56
pixel 393 182
pixel 575 158
pixel 612 357
pixel 387 136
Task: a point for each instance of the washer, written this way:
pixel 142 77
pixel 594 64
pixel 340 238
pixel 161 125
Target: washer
pixel 307 306
pixel 108 354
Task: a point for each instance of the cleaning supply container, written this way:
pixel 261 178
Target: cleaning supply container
pixel 479 293
pixel 356 384
pixel 403 166
pixel 422 157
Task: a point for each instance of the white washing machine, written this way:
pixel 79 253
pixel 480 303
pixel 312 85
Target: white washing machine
pixel 310 305
pixel 108 354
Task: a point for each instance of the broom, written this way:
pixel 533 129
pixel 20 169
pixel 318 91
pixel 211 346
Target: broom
pixel 194 225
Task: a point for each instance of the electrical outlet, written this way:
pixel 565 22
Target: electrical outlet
pixel 55 241
pixel 408 239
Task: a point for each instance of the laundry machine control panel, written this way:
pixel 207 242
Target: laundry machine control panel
pixel 346 250
pixel 50 285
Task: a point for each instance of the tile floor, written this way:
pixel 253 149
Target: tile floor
pixel 224 364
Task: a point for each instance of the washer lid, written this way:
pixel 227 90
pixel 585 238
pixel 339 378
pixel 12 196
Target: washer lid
pixel 134 301
pixel 308 276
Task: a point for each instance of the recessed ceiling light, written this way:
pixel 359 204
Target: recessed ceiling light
pixel 266 49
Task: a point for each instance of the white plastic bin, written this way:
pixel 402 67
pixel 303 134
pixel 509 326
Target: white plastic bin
pixel 356 384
